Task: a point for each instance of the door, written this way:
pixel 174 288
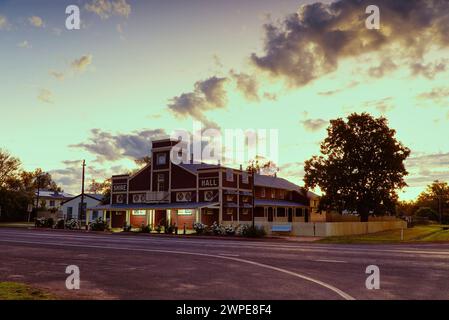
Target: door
pixel 290 214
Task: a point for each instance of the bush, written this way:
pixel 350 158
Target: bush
pixel 44 223
pixel 199 227
pixel 73 224
pixel 169 229
pixel 252 232
pixel 145 229
pixel 126 227
pixel 98 225
pixel 158 228
pixel 230 230
pixel 218 229
pixel 60 224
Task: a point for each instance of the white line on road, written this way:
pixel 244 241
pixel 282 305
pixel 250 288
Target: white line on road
pixel 341 293
pixel 228 255
pixel 332 261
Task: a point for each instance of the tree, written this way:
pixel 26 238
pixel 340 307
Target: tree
pixel 436 198
pixel 263 166
pixel 103 188
pixel 143 161
pixel 361 166
pixel 9 168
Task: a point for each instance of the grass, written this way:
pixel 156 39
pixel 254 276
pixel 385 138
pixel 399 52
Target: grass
pixel 416 234
pixel 16 224
pixel 20 291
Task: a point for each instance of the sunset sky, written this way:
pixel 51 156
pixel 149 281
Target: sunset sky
pixel 139 69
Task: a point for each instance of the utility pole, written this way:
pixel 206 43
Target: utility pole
pixel 38 193
pixel 82 191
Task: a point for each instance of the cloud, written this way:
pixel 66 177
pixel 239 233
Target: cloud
pixel 314 124
pixel 36 21
pixel 429 70
pixel 386 66
pixel 335 91
pixel 108 147
pixel 247 84
pixel 45 95
pixel 106 8
pixel 427 167
pixel 383 105
pixel 439 95
pixel 82 63
pixel 24 44
pixel 207 95
pixel 57 75
pixel 3 23
pixel 311 43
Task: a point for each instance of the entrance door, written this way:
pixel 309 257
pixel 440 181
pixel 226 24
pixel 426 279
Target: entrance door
pixel 270 214
pixel 160 217
pixel 290 214
pixel 118 219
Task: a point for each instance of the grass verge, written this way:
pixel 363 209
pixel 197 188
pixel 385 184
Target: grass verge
pixel 416 234
pixel 20 291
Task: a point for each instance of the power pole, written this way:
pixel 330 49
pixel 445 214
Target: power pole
pixel 82 191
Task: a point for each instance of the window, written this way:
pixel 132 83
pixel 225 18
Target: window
pixel 298 212
pixel 262 192
pixel 52 203
pixel 245 211
pixel 161 159
pixel 160 182
pixel 245 177
pixel 245 199
pixel 95 215
pixel 229 175
pixel 229 211
pixel 69 212
pixel 230 198
pixel 273 193
pixel 185 212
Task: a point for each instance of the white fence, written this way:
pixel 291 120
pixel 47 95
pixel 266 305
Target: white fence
pixel 327 229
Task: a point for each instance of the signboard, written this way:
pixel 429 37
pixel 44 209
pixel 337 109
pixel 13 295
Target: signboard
pixel 119 187
pixel 208 182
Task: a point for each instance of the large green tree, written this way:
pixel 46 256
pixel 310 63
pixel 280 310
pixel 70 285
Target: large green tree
pixel 436 197
pixel 361 166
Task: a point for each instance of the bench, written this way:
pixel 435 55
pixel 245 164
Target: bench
pixel 281 228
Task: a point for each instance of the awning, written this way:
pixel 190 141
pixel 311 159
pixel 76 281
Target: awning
pixel 159 206
pixel 278 203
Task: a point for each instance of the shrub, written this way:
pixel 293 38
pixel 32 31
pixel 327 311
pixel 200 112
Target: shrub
pixel 199 227
pixel 218 229
pixel 169 228
pixel 241 229
pixel 72 224
pixel 145 229
pixel 158 228
pixel 60 224
pixel 126 227
pixel 98 225
pixel 254 232
pixel 50 222
pixel 230 230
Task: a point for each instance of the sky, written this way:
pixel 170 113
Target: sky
pixel 137 70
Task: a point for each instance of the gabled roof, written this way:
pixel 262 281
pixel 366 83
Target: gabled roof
pixel 97 197
pixel 195 167
pixel 276 182
pixel 53 194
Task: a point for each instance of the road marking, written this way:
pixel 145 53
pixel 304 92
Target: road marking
pixel 332 261
pixel 330 287
pixel 229 255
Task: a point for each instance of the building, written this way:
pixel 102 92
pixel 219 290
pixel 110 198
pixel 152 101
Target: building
pixel 51 200
pixel 72 207
pixel 165 193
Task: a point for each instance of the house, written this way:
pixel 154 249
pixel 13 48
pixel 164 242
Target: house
pixel 51 200
pixel 71 208
pixel 163 192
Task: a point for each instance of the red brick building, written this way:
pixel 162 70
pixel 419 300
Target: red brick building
pixel 163 192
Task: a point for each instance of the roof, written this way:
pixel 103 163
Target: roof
pixel 276 182
pixel 194 167
pixel 162 206
pixel 278 203
pixel 97 197
pixel 53 194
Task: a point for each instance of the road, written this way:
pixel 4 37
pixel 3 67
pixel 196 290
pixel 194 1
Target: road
pixel 123 266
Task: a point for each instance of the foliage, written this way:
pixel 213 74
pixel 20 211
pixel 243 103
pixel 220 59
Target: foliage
pixel 361 166
pixel 126 227
pixel 60 224
pixel 426 212
pixel 230 230
pixel 158 228
pixel 254 232
pixel 73 224
pixel 103 188
pixel 199 227
pixel 98 225
pixel 169 228
pixel 263 166
pixel 44 223
pixel 145 229
pixel 217 229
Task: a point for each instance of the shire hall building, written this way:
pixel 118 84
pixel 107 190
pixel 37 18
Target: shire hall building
pixel 165 193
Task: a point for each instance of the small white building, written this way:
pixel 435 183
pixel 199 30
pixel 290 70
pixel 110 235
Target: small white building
pixel 72 207
pixel 51 200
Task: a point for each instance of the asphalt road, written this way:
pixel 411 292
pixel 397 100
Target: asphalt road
pixel 152 267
